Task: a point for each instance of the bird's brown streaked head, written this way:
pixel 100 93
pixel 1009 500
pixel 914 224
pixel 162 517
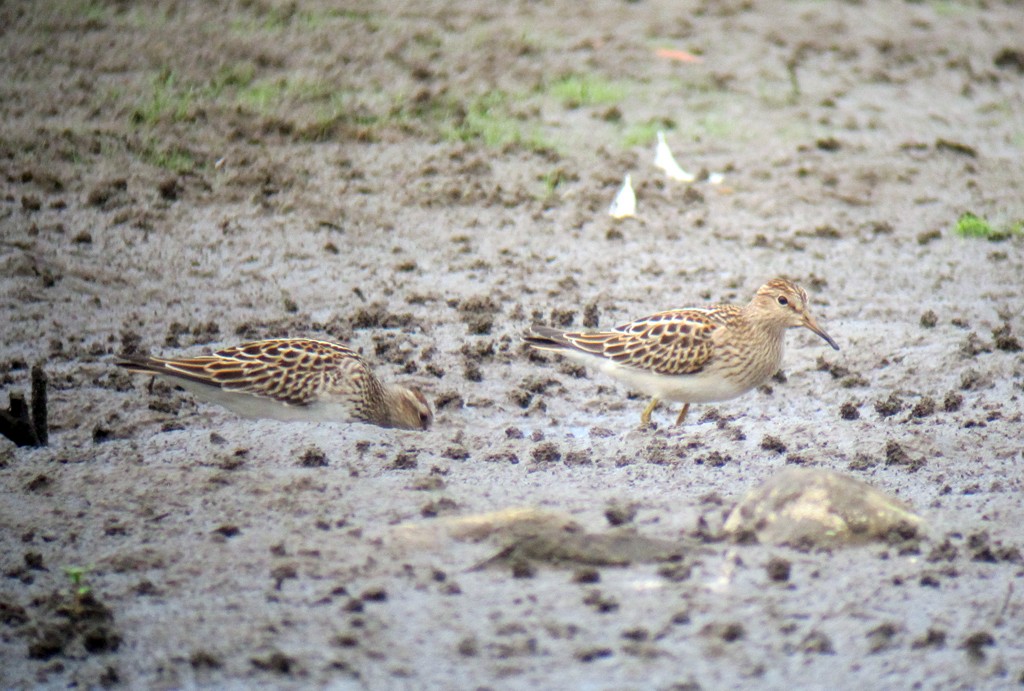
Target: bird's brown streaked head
pixel 412 411
pixel 785 303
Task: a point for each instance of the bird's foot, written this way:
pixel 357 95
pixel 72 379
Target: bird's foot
pixel 645 417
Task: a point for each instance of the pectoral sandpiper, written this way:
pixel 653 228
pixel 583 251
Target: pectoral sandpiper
pixel 293 379
pixel 696 354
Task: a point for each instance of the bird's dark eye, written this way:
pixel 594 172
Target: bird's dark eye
pixel 783 301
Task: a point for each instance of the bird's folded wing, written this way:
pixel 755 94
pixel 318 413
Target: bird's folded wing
pixel 670 343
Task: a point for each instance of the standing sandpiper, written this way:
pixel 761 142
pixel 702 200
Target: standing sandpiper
pixel 696 354
pixel 293 379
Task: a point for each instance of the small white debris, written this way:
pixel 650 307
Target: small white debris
pixel 219 163
pixel 664 160
pixel 716 178
pixel 624 204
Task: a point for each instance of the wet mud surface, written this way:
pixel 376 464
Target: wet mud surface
pixel 423 181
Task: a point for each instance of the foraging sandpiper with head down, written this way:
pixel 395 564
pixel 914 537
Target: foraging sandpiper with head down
pixel 695 354
pixel 293 379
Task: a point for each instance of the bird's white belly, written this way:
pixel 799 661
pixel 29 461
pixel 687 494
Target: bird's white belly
pixel 257 407
pixel 700 387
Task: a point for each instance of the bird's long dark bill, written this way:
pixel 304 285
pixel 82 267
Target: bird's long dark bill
pixel 813 326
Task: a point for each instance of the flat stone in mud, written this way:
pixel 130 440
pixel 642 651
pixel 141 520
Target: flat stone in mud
pixel 813 507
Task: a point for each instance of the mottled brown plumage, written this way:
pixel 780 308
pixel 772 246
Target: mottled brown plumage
pixel 696 354
pixel 293 379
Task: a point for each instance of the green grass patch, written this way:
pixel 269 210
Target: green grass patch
pixel 265 96
pixel 166 101
pixel 947 8
pixel 553 179
pixel 487 118
pixel 235 76
pixel 95 12
pixel 646 133
pixel 172 158
pixel 262 96
pixel 580 90
pixel 970 225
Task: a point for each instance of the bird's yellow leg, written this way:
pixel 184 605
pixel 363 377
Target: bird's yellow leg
pixel 645 417
pixel 682 414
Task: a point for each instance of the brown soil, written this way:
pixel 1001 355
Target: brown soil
pixel 425 180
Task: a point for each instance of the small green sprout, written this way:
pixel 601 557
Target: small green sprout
pixel 76 574
pixel 971 226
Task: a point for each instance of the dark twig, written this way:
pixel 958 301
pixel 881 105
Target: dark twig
pixel 39 412
pixel 21 426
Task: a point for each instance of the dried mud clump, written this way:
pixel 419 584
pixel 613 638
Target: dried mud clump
pixel 578 457
pixel 313 457
pixel 882 637
pixel 586 575
pixel 472 372
pixel 530 387
pixel 896 455
pixel 109 194
pixel 728 632
pixel 715 459
pixel 817 643
pixel 982 548
pixel 593 653
pixel 1006 341
pixel 502 457
pixel 200 333
pixel 933 638
pixel 276 662
pixel 521 398
pixel 974 346
pixel 972 379
pixel 849 411
pixel 169 189
pixel 929 319
pixel 774 444
pixel 924 407
pixel 620 514
pixel 546 452
pixel 562 317
pixel 204 659
pixel 952 402
pixel 404 461
pixel 677 573
pixel 835 369
pixel 600 602
pixel 448 399
pixel 1010 59
pixel 456 452
pixel 440 507
pixel 478 313
pixel 889 407
pixel 71 624
pixel 944 551
pixel 778 569
pixel 377 316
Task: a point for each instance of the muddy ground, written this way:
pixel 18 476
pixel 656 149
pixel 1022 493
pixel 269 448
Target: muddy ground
pixel 423 180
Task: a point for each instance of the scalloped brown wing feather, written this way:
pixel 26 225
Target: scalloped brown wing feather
pixel 672 342
pixel 254 368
